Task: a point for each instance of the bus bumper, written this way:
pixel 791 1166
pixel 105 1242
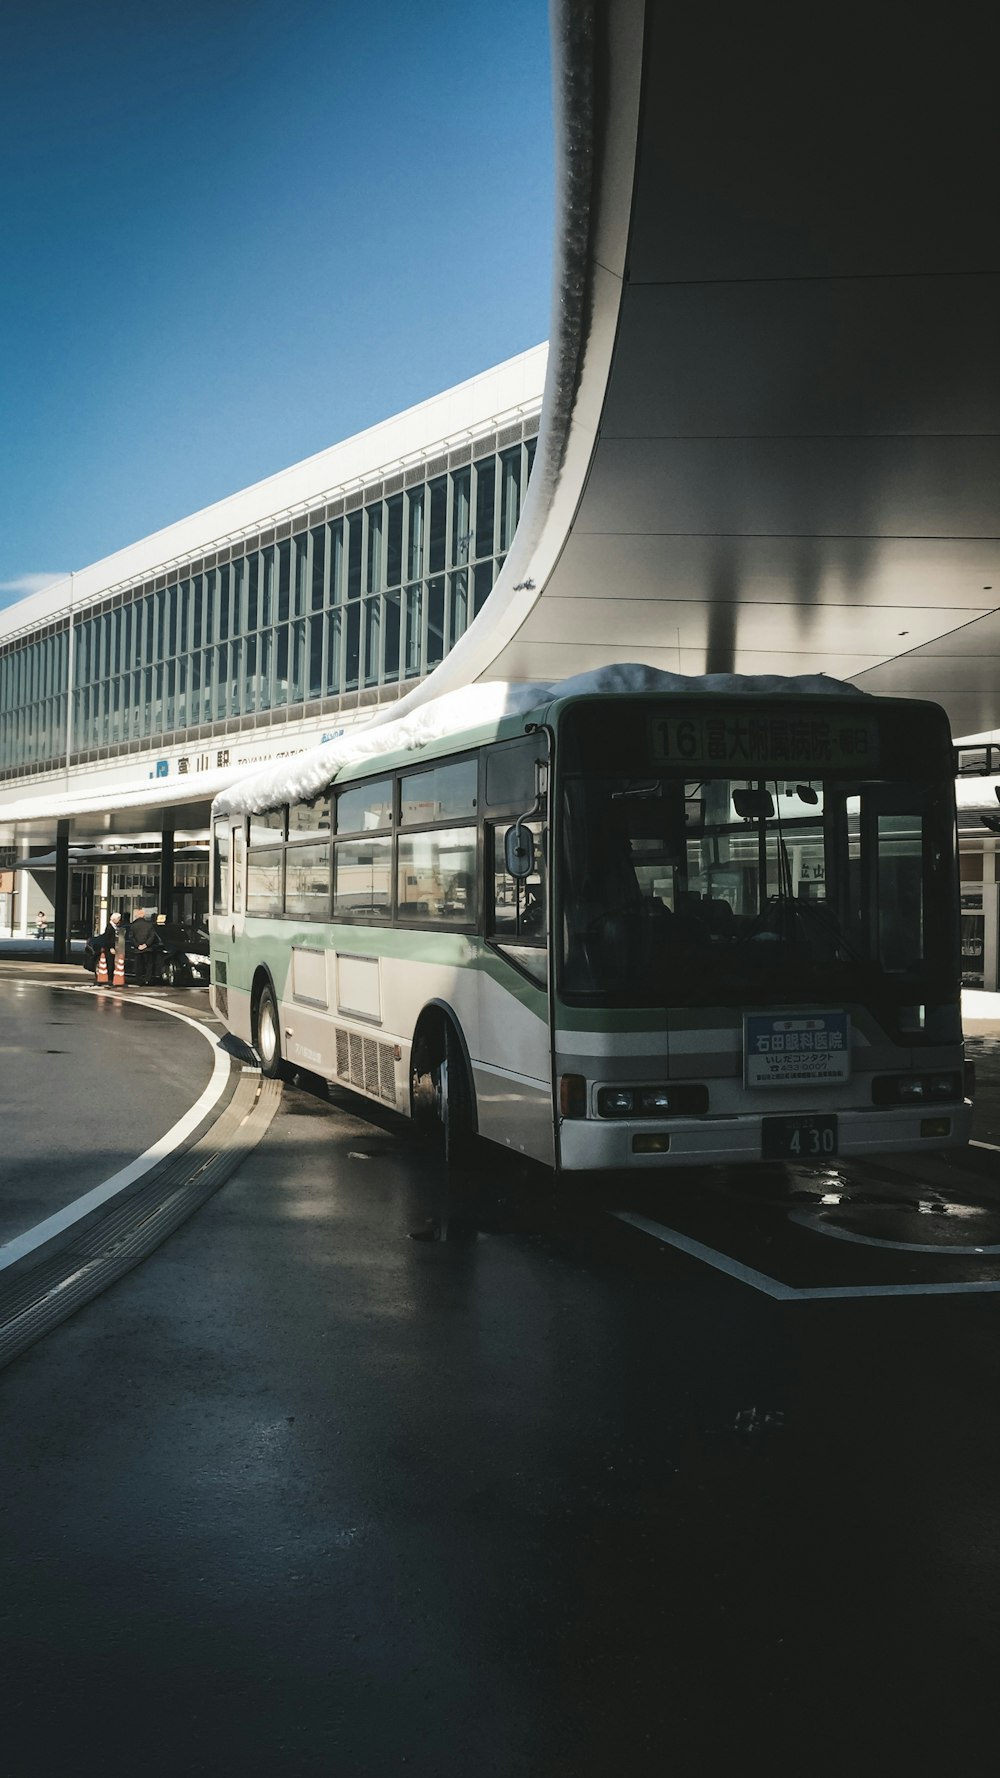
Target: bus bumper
pixel 596 1144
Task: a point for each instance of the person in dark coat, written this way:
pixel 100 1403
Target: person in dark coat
pixel 145 938
pixel 106 941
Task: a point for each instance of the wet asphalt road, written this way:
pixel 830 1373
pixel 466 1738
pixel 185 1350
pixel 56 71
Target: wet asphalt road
pixel 88 1082
pixel 534 1494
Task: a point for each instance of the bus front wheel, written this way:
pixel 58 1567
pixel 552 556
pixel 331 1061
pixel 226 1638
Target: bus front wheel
pixel 269 1035
pixel 442 1096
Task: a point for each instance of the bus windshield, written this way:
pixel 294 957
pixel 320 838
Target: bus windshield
pixel 724 889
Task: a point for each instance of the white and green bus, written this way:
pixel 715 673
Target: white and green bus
pixel 672 926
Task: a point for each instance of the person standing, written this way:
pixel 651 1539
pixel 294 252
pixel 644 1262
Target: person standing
pixel 145 938
pixel 40 925
pixel 107 941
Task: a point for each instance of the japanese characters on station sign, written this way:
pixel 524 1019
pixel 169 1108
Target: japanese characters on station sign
pixel 217 758
pixel 763 743
pixel 807 1049
pixel 191 762
pixel 202 762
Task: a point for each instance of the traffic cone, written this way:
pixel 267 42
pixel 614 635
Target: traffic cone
pixel 119 981
pixel 102 969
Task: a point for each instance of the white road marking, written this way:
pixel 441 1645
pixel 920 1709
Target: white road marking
pixel 172 1139
pixel 785 1293
pixel 813 1221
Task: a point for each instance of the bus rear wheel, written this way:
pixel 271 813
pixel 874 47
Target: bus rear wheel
pixel 269 1035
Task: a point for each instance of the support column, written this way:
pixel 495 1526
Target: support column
pixel 991 910
pixel 167 864
pixel 60 948
pixel 22 893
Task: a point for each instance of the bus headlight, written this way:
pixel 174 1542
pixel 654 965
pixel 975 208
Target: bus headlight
pixel 681 1099
pixel 655 1101
pixel 615 1102
pixel 916 1089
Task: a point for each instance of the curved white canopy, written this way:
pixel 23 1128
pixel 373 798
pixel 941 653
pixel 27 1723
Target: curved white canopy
pixel 771 431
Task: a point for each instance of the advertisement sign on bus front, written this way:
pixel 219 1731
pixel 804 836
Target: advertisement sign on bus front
pixel 794 1050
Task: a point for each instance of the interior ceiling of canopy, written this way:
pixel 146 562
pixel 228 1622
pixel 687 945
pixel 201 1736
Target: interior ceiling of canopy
pixel 770 432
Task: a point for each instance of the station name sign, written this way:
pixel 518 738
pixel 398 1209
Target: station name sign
pixel 764 743
pixel 218 758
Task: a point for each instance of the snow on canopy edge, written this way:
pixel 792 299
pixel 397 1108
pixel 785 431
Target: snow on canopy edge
pixel 485 705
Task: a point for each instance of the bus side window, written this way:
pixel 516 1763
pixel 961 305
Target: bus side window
pixel 518 906
pixel 239 849
pixel 220 869
pixel 510 772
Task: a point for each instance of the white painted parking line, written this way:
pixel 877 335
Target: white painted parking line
pixel 720 1262
pixel 815 1223
pixel 64 1219
pixel 786 1293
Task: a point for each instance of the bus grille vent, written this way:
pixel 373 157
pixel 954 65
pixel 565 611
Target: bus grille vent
pixel 367 1065
pixel 222 1002
pixel 221 970
pixel 370 1082
pixel 386 1074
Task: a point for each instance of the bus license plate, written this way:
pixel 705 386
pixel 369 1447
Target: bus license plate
pixel 798 1138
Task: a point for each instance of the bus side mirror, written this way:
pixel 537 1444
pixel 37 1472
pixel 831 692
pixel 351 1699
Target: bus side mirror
pixel 750 804
pixel 519 852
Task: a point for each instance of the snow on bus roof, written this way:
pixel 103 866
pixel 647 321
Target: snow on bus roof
pixel 485 705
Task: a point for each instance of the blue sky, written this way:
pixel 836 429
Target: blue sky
pixel 236 231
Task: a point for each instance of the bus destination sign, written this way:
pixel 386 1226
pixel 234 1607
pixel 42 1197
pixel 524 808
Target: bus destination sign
pixel 807 1049
pixel 764 743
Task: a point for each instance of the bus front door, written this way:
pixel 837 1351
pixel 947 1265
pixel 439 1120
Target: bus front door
pixel 513 1070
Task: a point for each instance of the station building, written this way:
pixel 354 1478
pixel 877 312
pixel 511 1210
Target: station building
pixel 133 690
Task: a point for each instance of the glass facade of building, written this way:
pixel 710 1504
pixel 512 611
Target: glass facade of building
pixel 33 682
pixel 345 604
